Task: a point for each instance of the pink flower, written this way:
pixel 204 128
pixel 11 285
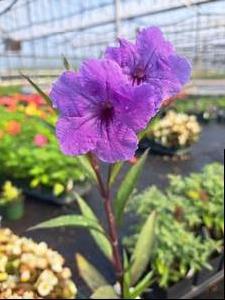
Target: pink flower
pixel 40 140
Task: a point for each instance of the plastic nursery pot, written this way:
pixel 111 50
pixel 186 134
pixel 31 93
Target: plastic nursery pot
pixel 13 210
pixel 65 199
pixel 158 148
pixel 176 291
pixel 217 264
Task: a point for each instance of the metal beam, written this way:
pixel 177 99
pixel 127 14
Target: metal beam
pixel 127 17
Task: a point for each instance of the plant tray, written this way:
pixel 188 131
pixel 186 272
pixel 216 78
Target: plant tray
pixel 190 288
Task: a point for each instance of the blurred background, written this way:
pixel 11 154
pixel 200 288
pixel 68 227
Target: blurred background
pixel 34 34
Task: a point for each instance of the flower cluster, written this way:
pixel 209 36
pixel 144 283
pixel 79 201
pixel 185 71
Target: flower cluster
pixel 176 130
pixel 31 105
pixel 32 271
pixel 108 101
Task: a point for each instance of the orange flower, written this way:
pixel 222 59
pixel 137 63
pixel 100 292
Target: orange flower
pixel 13 128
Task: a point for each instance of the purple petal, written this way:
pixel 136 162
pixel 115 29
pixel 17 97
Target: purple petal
pixel 64 96
pixel 97 75
pixel 136 106
pixel 125 55
pixel 76 135
pixel 117 142
pixel 181 68
pixel 151 45
pixel 169 75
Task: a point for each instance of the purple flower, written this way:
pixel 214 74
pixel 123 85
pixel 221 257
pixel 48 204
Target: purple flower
pixel 152 60
pixel 100 111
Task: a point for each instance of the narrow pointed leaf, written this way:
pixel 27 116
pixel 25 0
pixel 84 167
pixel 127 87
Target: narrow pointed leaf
pixel 38 90
pixel 142 286
pixel 99 237
pixel 66 63
pixel 68 220
pixel 44 122
pixel 86 166
pixel 105 292
pixel 90 274
pixel 143 249
pixel 127 186
pixel 126 277
pixel 115 171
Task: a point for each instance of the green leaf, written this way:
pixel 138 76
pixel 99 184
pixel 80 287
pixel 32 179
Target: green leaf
pixel 127 186
pixel 100 239
pixel 38 90
pixel 86 166
pixel 141 286
pixel 143 248
pixel 68 220
pixel 58 189
pixel 126 277
pixel 89 274
pixel 66 63
pixel 105 292
pixel 115 171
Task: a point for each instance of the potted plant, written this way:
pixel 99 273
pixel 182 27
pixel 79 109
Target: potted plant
pixel 11 202
pixel 173 134
pixel 45 173
pixel 32 271
pixel 178 254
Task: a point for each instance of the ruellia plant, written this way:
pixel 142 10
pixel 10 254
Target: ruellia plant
pixel 102 110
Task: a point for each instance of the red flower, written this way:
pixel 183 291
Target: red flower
pixel 13 128
pixel 40 140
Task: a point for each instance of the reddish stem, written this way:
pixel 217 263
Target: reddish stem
pixel 105 193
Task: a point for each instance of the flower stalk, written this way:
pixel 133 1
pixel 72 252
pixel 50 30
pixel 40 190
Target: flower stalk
pixel 105 192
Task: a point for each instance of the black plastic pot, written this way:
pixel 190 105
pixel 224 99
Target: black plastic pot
pixel 205 274
pixel 157 148
pixel 46 195
pixel 174 292
pixel 65 199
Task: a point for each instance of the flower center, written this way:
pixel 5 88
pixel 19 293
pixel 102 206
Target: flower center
pixel 107 112
pixel 138 76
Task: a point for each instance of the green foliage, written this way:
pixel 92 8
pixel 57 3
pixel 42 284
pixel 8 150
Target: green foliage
pixel 90 274
pixel 127 186
pixel 9 193
pixel 41 167
pixel 69 221
pixel 143 248
pixel 178 249
pixel 9 90
pixel 101 239
pixel 38 90
pixel 200 198
pixel 202 104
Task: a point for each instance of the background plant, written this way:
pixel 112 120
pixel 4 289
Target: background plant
pixel 180 249
pixel 42 165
